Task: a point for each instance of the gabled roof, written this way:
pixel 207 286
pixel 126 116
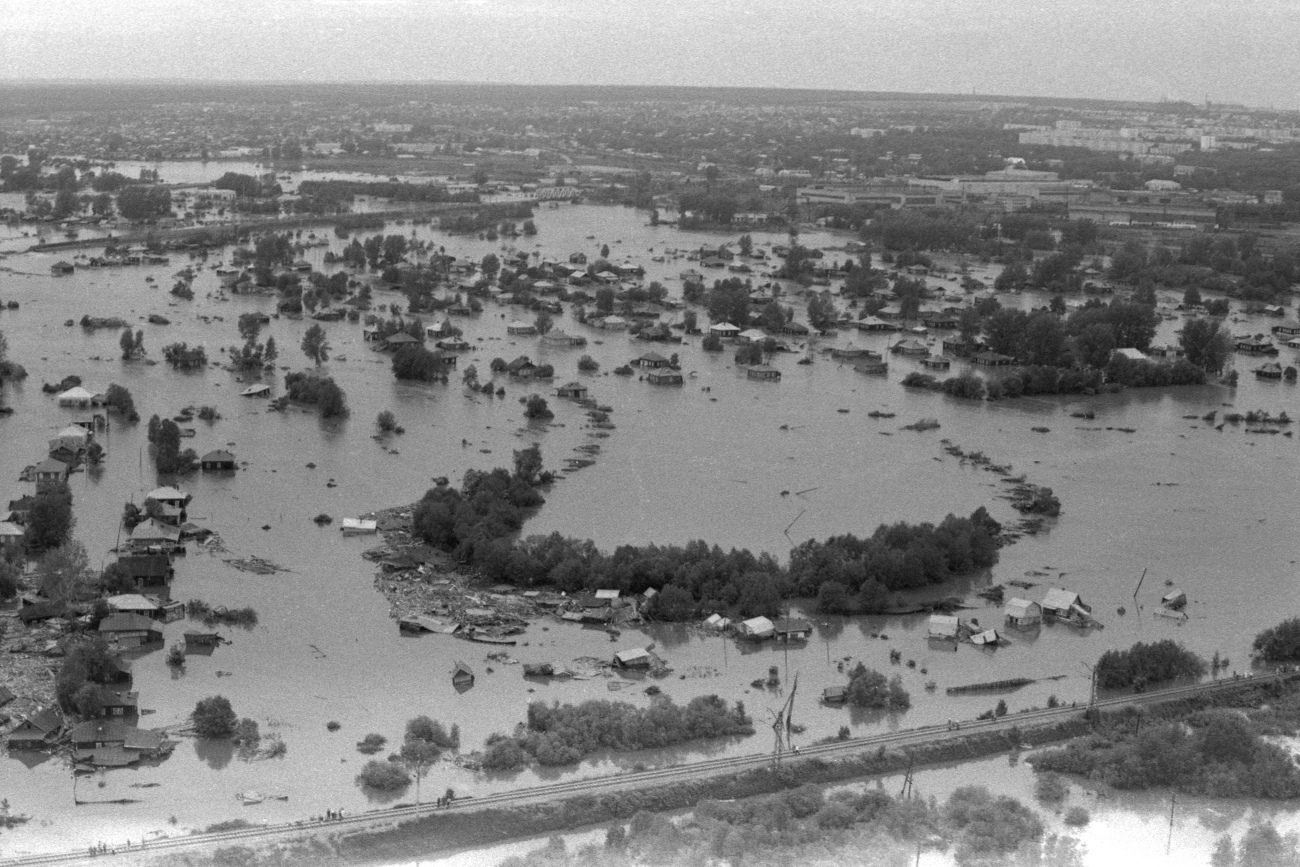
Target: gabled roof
pixel 1059 599
pixel 1020 607
pixel 165 494
pixel 652 356
pixel 76 393
pixel 50 465
pixel 151 529
pixel 724 326
pixel 944 624
pixel 8 529
pixel 217 455
pixel 47 719
pixel 132 602
pixel 145 565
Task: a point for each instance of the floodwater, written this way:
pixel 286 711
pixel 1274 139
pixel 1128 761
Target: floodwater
pixel 1204 509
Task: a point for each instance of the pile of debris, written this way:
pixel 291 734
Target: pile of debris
pixel 28 665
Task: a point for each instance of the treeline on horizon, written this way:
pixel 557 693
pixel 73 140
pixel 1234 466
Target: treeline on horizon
pixel 846 573
pixel 26 97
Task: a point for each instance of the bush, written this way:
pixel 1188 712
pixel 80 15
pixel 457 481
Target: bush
pixel 536 408
pixel 387 421
pixel 1077 817
pixel 214 718
pixel 384 776
pixel 916 379
pixel 587 364
pixel 415 362
pixel 1280 643
pixel 869 688
pixel 967 386
pixel 711 343
pixel 1147 663
pixel 320 391
pixel 1051 788
pixel 371 744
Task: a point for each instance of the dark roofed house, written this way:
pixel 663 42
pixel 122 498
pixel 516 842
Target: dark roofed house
pixel 131 629
pixel 39 611
pixel 50 473
pixel 763 371
pixel 521 367
pixel 791 628
pixel 398 340
pixel 667 376
pixel 1272 370
pixel 652 360
pixel 37 731
pixel 573 389
pixel 462 675
pixel 147 570
pixel 992 359
pixel 939 320
pixel 220 459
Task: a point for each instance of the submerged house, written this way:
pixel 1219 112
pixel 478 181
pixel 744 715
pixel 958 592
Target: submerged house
pixel 131 630
pixel 756 628
pixel 636 658
pixel 147 571
pixel 461 675
pixel 944 627
pixel 50 473
pixel 219 459
pixel 1022 613
pixel 791 629
pixel 666 376
pixel 36 732
pixel 1065 604
pixel 763 371
pixel 521 329
pixel 575 390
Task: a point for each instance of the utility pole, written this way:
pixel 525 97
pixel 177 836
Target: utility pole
pixel 1173 800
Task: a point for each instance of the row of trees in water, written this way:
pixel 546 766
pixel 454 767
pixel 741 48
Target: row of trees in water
pixel 847 572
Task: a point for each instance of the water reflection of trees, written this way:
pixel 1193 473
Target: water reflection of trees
pixel 215 752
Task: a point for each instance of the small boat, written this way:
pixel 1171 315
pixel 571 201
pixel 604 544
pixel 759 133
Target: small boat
pixel 358 527
pixel 483 638
pixel 250 798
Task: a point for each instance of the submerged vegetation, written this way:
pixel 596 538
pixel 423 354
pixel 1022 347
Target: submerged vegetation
pixel 848 574
pixel 564 734
pixel 1144 664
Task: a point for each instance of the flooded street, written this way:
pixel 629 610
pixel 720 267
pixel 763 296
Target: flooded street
pixel 1206 510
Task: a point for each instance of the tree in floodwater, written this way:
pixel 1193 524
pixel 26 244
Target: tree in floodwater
pixel 315 345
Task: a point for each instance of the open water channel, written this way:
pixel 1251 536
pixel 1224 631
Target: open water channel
pixel 1205 509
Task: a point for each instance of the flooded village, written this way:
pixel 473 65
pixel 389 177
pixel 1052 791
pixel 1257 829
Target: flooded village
pixel 347 446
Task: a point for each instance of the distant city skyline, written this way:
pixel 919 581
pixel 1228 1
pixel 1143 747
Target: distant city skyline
pixel 1101 49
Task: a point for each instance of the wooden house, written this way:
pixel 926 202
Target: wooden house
pixel 939 362
pixel 1271 370
pixel 961 348
pixel 80 397
pixel 147 571
pixel 154 537
pixel 791 629
pixel 1256 344
pixel 393 342
pixel 872 366
pixel 1290 328
pixel 131 630
pixel 521 329
pixel 1175 599
pixel 724 330
pixel 875 323
pixel 992 359
pixel 61 269
pixel 220 459
pixel 756 628
pixel 452 344
pixel 36 732
pixel 651 360
pixel 943 626
pixel 461 675
pixel 910 347
pixel 1063 604
pixel 666 376
pixel 835 694
pixel 12 537
pixel 521 367
pixel 852 353
pixel 562 340
pixel 635 658
pixel 939 320
pixel 575 390
pixel 763 372
pixel 50 473
pixel 1023 614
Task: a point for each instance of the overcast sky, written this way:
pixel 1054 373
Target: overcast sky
pixel 1227 50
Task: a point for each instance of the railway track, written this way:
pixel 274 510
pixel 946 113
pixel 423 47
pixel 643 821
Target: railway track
pixel 641 779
